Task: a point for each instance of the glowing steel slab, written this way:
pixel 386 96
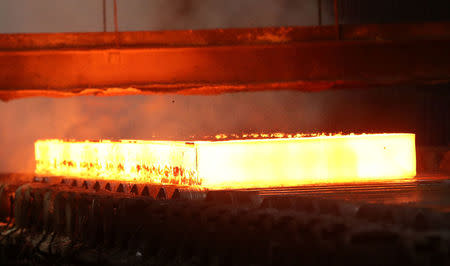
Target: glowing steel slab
pixel 291 162
pixel 167 162
pixel 234 163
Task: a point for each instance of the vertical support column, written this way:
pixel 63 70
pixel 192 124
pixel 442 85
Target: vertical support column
pixel 336 20
pixel 116 24
pixel 104 15
pixel 319 11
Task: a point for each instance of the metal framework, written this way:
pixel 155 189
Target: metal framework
pixel 224 60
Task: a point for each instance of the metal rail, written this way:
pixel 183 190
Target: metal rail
pixel 219 61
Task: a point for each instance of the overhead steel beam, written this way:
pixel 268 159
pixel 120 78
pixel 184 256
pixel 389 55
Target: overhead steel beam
pixel 218 61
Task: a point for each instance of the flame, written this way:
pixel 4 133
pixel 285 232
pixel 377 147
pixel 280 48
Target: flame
pixel 243 163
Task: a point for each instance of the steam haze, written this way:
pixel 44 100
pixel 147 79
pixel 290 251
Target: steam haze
pixel 183 117
pixel 135 15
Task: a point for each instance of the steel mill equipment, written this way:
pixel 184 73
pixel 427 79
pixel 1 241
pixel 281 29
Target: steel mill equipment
pixel 236 199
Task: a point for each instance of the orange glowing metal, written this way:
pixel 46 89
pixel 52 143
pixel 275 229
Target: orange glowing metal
pixel 234 163
pixel 298 161
pixel 167 162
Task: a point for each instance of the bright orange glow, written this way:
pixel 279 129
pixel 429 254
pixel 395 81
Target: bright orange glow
pixel 166 162
pixel 291 162
pixel 234 163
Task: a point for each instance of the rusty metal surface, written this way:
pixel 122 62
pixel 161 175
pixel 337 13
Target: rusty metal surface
pixel 218 61
pixel 267 35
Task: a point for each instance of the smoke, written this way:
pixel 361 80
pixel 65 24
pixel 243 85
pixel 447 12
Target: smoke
pixel 183 117
pixel 146 117
pixel 133 15
pixel 201 14
pixel 50 16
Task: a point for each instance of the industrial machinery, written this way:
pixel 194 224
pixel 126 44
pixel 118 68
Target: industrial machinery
pixel 259 198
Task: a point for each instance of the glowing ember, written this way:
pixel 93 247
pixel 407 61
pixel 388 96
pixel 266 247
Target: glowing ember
pixel 234 163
